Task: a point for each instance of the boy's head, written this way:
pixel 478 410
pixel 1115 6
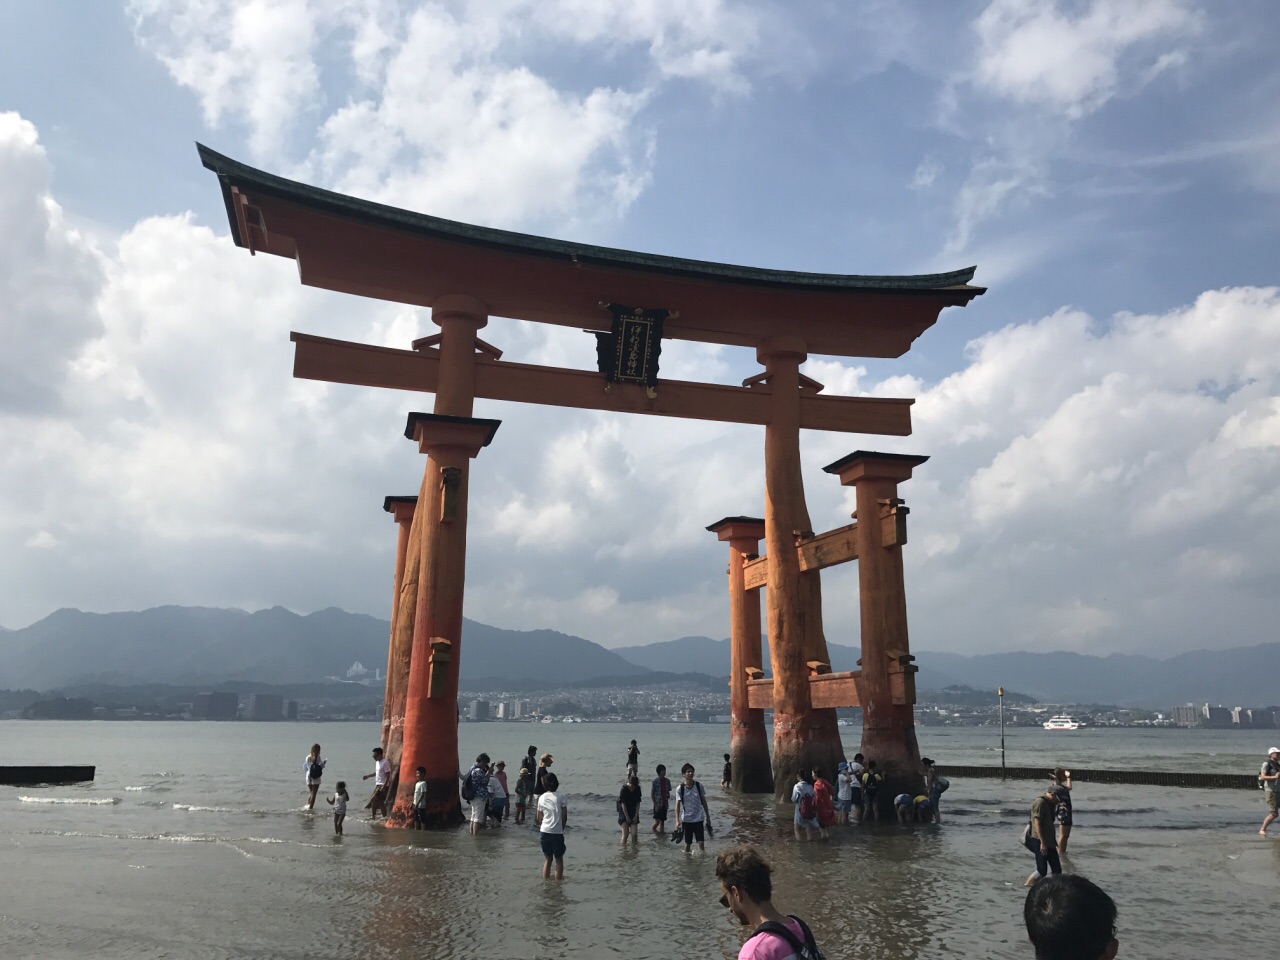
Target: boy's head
pixel 552 782
pixel 633 743
pixel 687 771
pixel 341 786
pixel 377 753
pixel 726 758
pixel 532 750
pixel 661 770
pixel 422 773
pixel 483 760
pixel 871 764
pixel 1069 918
pixel 858 758
pixel 744 879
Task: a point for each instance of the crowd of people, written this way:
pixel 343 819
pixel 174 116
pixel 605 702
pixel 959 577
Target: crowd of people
pixel 1067 917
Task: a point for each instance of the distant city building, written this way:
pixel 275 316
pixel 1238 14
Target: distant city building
pixel 1264 717
pixel 502 711
pixel 215 706
pixel 519 709
pixel 1218 717
pixel 266 706
pixel 291 710
pixel 478 710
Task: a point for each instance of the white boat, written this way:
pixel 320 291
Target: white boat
pixel 545 720
pixel 1062 723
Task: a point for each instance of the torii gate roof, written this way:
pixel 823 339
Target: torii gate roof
pixel 373 250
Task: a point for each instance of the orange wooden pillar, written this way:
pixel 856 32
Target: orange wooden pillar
pixel 431 704
pixel 802 736
pixel 397 678
pixel 888 730
pixel 435 567
pixel 748 745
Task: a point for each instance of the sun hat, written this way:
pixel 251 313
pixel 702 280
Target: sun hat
pixel 1274 750
pixel 842 765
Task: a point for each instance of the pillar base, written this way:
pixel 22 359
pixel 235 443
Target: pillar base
pixel 749 753
pixel 893 746
pixel 808 740
pixel 444 808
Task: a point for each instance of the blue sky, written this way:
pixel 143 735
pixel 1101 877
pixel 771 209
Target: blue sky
pixel 1104 423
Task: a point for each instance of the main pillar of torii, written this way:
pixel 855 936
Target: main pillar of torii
pixel 402 510
pixel 888 728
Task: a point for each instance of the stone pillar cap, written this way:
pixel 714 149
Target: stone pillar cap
pixel 730 528
pixel 390 503
pixel 441 430
pixel 863 464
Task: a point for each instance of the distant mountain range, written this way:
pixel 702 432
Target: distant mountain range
pixel 204 647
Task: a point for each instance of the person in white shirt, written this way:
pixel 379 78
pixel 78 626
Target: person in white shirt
pixel 420 800
pixel 691 809
pixel 381 783
pixel 551 816
pixel 497 799
pixel 844 793
pixel 339 803
pixel 314 767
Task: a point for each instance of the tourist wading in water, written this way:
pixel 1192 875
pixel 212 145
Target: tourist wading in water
pixel 339 802
pixel 552 816
pixel 660 794
pixel 475 791
pixel 746 890
pixel 314 767
pixel 629 798
pixel 381 784
pixel 1041 839
pixel 692 814
pixel 1062 787
pixel 1269 776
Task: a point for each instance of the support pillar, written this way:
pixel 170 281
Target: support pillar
pixel 435 567
pixel 748 746
pixel 431 704
pixel 802 736
pixel 397 676
pixel 888 730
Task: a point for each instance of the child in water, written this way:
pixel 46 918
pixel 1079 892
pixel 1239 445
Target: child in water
pixel 339 803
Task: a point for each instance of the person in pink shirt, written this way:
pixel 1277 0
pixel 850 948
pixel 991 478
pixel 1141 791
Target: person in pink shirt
pixel 746 889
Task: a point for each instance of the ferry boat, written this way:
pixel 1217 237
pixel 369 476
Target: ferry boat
pixel 1062 723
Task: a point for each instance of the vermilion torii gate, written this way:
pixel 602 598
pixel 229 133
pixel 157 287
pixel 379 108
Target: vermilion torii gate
pixel 466 273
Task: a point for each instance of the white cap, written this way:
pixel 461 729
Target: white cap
pixel 1274 750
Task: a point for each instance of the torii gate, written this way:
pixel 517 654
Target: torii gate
pixel 466 273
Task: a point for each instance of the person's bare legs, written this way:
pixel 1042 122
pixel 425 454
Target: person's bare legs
pixel 1064 831
pixel 311 795
pixel 546 868
pixel 559 868
pixel 1271 818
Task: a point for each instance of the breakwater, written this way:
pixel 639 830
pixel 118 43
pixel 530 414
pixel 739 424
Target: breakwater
pixel 1155 778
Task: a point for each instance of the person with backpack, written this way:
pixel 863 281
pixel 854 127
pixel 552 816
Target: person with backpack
pixel 314 767
pixel 1269 780
pixel 934 787
pixel 806 803
pixel 692 814
pixel 475 791
pixel 871 781
pixel 746 891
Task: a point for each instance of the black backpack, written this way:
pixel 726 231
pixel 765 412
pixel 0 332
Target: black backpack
pixel 469 788
pixel 806 949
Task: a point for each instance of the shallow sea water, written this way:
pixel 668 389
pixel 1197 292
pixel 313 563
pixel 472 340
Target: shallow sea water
pixel 192 843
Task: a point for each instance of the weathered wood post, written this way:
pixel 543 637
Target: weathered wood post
pixel 397 677
pixel 888 730
pixel 748 745
pixel 802 736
